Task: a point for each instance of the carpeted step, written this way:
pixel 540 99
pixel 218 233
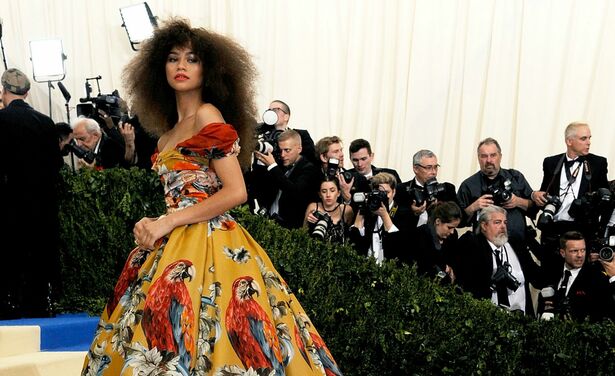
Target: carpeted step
pixel 69 332
pixel 43 364
pixel 16 340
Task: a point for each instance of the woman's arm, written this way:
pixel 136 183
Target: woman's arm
pixel 308 212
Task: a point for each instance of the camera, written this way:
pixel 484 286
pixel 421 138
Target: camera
pixel 551 207
pixel 320 229
pixel 80 152
pixel 606 253
pixel 333 166
pixel 108 103
pixel 501 191
pixel 503 276
pixel 370 200
pixel 427 193
pixel 589 206
pixel 267 141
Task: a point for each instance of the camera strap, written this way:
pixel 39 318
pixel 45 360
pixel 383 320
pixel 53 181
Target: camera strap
pixel 500 288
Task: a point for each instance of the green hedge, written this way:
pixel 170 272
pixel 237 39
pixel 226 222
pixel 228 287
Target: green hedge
pixel 376 320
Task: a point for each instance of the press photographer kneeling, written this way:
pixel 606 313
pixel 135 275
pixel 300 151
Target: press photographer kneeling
pixel 580 289
pixel 381 225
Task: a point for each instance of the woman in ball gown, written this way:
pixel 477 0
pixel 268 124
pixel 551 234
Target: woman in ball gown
pixel 198 296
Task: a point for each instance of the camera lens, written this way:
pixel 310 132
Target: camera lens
pixel 320 229
pixel 606 254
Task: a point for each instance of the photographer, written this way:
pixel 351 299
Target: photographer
pixel 424 190
pixel 275 121
pixel 493 185
pixel 581 290
pixel 492 267
pixel 107 152
pixel 329 219
pixel 380 229
pixel 292 186
pixel 568 179
pixel 139 145
pixel 433 247
pixel 330 152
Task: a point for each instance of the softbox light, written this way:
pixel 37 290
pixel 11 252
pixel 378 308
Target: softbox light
pixel 47 58
pixel 139 23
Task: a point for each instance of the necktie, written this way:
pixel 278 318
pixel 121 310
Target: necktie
pixel 500 288
pixel 561 292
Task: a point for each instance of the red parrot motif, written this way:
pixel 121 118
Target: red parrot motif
pixel 301 346
pixel 325 356
pixel 168 317
pixel 250 331
pixel 129 274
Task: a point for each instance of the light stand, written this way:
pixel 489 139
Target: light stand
pixel 2 47
pixel 139 23
pixel 47 58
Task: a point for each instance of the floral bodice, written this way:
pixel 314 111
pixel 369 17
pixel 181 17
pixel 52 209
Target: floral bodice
pixel 185 171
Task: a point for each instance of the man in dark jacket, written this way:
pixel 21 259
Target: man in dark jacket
pixel 29 174
pixel 491 267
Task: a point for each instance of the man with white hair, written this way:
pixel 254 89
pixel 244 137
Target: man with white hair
pixel 491 267
pixel 107 152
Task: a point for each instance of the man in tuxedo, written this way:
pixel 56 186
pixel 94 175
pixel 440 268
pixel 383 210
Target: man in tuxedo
pixel 581 288
pixel 493 185
pixel 29 173
pixel 107 151
pixel 415 192
pixel 361 157
pixel 566 177
pixel 381 231
pixel 292 186
pixel 492 267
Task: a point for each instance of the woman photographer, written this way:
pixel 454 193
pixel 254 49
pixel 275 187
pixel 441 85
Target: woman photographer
pixel 434 243
pixel 336 215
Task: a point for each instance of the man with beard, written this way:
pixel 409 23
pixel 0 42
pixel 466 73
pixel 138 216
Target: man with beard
pixel 493 185
pixel 491 267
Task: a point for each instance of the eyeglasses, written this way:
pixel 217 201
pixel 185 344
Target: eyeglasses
pixel 278 109
pixel 429 168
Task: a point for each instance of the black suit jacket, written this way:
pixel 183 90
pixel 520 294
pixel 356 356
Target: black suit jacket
pixel 589 296
pixel 594 178
pixel 377 170
pixel 394 244
pixel 429 259
pixel 475 267
pixel 110 153
pixel 298 190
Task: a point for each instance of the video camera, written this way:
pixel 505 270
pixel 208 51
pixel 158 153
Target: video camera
pixel 79 152
pixel 108 103
pixel 370 200
pixel 551 207
pixel 500 190
pixel 427 193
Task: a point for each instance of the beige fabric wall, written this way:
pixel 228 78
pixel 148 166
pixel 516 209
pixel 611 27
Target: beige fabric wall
pixel 403 74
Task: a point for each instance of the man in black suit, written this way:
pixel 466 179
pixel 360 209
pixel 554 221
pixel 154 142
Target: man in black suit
pixel 581 288
pixel 492 267
pixel 493 185
pixel 566 177
pixel 108 152
pixel 29 173
pixel 424 190
pixel 291 187
pixel 381 231
pixel 361 157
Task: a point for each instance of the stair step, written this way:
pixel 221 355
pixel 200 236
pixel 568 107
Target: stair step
pixel 69 332
pixel 16 340
pixel 43 364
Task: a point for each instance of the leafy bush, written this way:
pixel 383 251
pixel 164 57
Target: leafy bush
pixel 376 320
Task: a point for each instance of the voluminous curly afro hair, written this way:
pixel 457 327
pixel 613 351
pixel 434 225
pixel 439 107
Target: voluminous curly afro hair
pixel 228 80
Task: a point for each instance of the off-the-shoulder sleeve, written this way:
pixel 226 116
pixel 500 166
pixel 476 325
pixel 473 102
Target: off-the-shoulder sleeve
pixel 215 140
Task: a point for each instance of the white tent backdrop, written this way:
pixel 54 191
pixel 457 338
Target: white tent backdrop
pixel 405 75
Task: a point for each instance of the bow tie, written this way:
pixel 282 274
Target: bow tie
pixel 572 162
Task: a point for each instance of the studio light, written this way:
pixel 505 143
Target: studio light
pixel 47 58
pixel 139 23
